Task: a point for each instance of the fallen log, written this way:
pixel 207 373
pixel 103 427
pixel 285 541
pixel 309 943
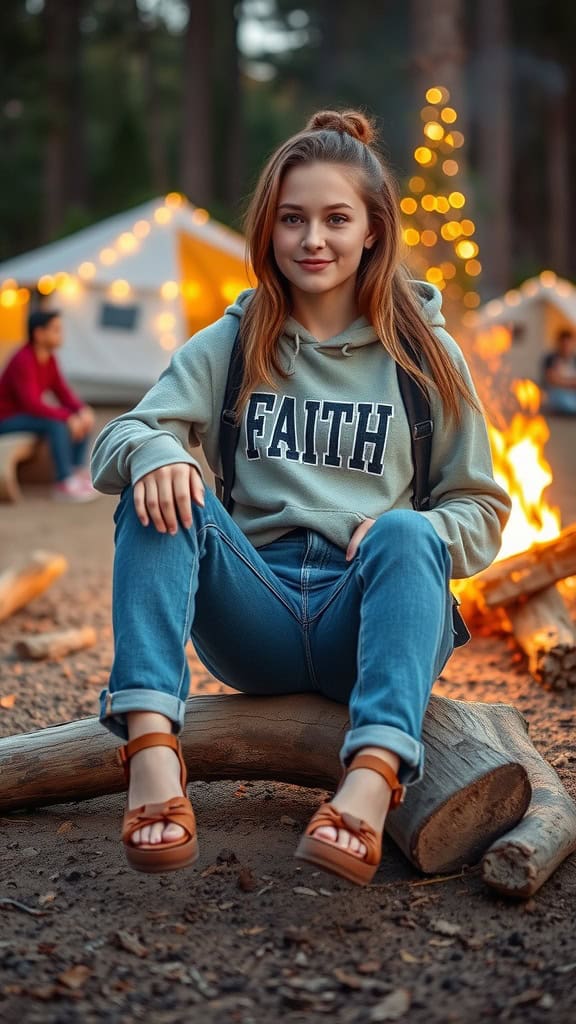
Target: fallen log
pixel 472 791
pixel 523 574
pixel 543 629
pixel 55 644
pixel 25 580
pixel 519 863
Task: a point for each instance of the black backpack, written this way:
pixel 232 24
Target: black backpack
pixel 419 415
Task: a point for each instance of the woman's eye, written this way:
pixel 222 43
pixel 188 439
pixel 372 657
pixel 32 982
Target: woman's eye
pixel 291 218
pixel 338 218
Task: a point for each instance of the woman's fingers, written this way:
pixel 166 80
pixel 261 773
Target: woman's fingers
pixel 166 495
pixel 152 501
pixel 196 487
pixel 140 503
pixel 358 535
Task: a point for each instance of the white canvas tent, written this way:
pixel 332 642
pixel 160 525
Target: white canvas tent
pixel 131 289
pixel 533 313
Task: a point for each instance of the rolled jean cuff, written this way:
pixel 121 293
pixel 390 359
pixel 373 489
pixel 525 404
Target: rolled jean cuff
pixel 114 706
pixel 409 750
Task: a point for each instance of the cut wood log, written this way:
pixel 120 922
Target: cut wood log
pixel 520 575
pixel 25 580
pixel 471 793
pixel 519 862
pixel 543 629
pixel 14 449
pixel 55 645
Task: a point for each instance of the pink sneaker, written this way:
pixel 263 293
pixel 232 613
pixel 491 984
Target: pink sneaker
pixel 73 490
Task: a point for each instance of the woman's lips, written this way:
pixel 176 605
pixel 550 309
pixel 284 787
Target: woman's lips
pixel 314 264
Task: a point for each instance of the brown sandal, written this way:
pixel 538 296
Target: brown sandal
pixel 158 857
pixel 330 857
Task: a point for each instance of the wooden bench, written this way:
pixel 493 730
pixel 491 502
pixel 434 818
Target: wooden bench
pixel 14 448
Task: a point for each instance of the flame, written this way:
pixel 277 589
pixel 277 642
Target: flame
pixel 520 467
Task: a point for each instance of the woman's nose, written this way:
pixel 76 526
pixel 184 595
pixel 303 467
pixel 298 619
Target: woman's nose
pixel 313 237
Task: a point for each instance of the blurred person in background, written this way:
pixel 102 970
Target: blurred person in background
pixel 559 372
pixel 35 398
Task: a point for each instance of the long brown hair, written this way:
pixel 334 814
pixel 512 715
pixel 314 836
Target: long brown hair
pixel 384 292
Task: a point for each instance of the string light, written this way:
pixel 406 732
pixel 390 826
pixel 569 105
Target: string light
pixel 87 271
pixel 170 290
pixel 436 225
pixel 46 284
pixel 119 290
pixel 108 256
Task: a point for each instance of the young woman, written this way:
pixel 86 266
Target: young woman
pixel 324 579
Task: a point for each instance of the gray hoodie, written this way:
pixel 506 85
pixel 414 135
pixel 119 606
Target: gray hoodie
pixel 327 449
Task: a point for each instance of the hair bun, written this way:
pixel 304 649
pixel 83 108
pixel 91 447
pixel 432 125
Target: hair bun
pixel 351 122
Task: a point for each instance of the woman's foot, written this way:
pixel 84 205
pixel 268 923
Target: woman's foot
pixel 155 778
pixel 365 795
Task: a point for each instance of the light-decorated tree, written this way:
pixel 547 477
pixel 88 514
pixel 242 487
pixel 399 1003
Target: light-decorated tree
pixel 438 230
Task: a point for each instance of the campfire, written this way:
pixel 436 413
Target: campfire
pixel 535 553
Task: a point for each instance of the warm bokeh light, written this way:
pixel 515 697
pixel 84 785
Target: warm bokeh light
pixel 127 242
pixel 428 238
pixel 434 131
pixel 46 284
pixel 168 342
pixel 466 249
pixel 434 275
pixel 408 205
pixel 87 270
pixel 170 290
pixel 448 115
pixel 450 167
pixel 141 228
pixel 119 290
pixel 457 200
pixel 411 236
pixel 442 204
pixel 417 184
pixel 200 216
pixel 166 322
pixel 467 227
pixel 423 155
pixel 163 215
pixel 8 297
pixel 473 268
pixel 174 199
pixel 471 300
pixel 428 202
pixel 108 256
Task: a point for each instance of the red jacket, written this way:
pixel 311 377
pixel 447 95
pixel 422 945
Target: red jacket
pixel 24 382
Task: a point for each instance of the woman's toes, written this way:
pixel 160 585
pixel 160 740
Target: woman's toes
pixel 326 832
pixel 171 833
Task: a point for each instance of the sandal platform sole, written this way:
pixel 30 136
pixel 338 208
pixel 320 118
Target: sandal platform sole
pixel 330 858
pixel 155 861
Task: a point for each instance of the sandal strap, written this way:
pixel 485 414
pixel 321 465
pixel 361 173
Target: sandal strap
pixel 376 764
pixel 327 815
pixel 176 811
pixel 151 739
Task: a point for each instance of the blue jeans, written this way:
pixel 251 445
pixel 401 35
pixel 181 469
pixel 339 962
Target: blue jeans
pixel 290 617
pixel 562 400
pixel 67 454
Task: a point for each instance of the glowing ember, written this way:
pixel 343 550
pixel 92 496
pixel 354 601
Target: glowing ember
pixel 520 467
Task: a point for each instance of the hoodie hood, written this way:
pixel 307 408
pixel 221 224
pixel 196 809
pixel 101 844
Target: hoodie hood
pixel 357 334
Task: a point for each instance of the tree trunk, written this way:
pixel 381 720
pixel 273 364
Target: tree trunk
pixel 232 107
pixel 495 142
pixel 196 141
pixel 559 183
pixel 153 117
pixel 61 32
pixel 471 793
pixel 438 51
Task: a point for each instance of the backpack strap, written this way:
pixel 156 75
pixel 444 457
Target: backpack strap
pixel 229 426
pixel 419 415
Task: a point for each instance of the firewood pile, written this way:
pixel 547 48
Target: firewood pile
pixel 525 588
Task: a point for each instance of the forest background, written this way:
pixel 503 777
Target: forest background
pixel 107 103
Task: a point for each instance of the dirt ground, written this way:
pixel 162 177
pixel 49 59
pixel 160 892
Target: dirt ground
pixel 246 935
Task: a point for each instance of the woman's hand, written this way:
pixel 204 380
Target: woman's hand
pixel 166 494
pixel 358 535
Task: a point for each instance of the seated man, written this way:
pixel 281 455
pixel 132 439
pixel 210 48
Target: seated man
pixel 31 374
pixel 559 373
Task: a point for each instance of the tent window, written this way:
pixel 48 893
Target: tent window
pixel 120 318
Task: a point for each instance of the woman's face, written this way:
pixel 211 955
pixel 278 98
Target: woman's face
pixel 321 228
